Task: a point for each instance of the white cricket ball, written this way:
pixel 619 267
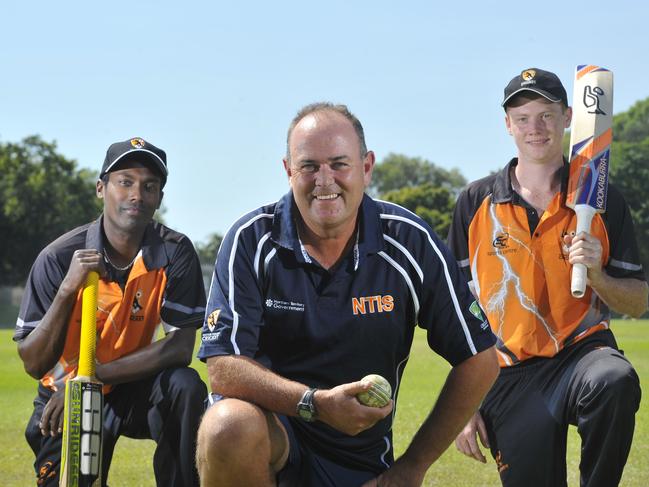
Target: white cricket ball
pixel 378 395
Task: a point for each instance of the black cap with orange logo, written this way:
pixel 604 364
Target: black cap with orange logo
pixel 544 83
pixel 121 151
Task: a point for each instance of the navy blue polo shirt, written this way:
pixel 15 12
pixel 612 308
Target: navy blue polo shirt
pixel 270 301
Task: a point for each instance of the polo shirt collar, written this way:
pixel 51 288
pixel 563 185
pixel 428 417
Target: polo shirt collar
pixel 154 252
pixel 503 192
pixel 152 249
pixel 284 231
pixel 369 236
pixel 94 235
pixel 502 188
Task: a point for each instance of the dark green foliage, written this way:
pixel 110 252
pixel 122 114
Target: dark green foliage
pixel 421 186
pixel 632 125
pixel 42 195
pixel 207 251
pixel 433 204
pixel 397 171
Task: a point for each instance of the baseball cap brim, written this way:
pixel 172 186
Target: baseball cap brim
pixel 543 93
pixel 150 155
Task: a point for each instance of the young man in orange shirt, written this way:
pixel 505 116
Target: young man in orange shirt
pixel 515 238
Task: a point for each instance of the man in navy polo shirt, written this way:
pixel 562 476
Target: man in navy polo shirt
pixel 314 292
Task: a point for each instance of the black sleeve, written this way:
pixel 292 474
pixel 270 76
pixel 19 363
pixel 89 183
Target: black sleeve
pixel 184 301
pixel 458 234
pixel 624 260
pixel 42 285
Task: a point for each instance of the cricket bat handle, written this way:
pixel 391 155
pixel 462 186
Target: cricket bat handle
pixel 88 343
pixel 585 214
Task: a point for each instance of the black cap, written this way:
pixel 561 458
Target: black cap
pixel 136 146
pixel 545 83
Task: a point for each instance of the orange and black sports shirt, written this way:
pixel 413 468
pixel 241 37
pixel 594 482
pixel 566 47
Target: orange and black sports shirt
pixel 517 264
pixel 164 288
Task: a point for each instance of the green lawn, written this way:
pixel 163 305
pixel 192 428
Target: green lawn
pixel 421 384
pixel 8 314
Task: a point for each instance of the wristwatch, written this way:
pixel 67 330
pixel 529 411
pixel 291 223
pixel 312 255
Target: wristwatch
pixel 305 408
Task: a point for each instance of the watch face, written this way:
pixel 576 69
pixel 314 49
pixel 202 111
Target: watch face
pixel 305 413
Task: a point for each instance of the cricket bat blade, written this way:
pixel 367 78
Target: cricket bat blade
pixel 590 145
pixel 84 404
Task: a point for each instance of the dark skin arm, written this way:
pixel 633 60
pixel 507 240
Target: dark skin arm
pixel 242 378
pixel 41 349
pixel 173 350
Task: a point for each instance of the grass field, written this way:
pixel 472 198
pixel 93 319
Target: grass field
pixel 422 381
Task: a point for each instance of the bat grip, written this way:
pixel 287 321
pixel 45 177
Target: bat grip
pixel 585 215
pixel 88 327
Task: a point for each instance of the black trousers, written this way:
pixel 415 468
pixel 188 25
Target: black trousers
pixel 166 408
pixel 527 412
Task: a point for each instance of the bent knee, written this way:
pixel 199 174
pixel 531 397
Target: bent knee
pixel 625 386
pixel 616 380
pixel 230 423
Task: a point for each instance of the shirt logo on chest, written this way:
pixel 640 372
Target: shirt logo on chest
pixel 136 302
pixel 284 305
pixel 372 304
pixel 136 306
pixel 500 242
pixel 565 250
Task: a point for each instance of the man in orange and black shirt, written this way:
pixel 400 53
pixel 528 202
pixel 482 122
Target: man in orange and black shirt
pixel 515 238
pixel 150 278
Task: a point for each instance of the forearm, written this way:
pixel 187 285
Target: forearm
pixel 465 387
pixel 174 350
pixel 41 349
pixel 242 378
pixel 625 296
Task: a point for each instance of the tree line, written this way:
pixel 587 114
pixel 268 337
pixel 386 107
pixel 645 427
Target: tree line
pixel 43 194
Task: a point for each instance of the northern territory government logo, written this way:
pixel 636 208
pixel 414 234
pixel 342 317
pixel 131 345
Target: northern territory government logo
pixel 281 305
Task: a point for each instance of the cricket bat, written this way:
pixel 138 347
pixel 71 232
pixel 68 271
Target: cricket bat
pixel 590 146
pixel 84 404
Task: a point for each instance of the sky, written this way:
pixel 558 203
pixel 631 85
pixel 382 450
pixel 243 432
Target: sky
pixel 216 84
